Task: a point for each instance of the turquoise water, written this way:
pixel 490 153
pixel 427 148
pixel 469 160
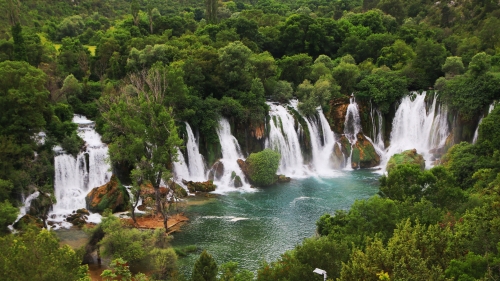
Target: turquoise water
pixel 250 227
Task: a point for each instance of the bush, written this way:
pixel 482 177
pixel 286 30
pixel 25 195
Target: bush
pixel 262 167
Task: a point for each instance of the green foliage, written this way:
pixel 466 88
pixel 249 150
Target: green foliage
pixel 262 167
pixel 384 87
pixel 8 213
pixel 205 268
pixel 405 157
pixel 38 255
pixel 231 272
pixel 119 270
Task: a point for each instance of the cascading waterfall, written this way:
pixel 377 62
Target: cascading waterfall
pixel 377 128
pixel 75 177
pixel 231 152
pixel 322 148
pixel 195 159
pixel 181 170
pixel 284 139
pixel 476 133
pixel 352 124
pixel 416 128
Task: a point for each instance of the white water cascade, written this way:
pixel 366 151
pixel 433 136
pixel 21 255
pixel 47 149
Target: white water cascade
pixel 181 170
pixel 476 133
pixel 377 129
pixel 322 142
pixel 195 159
pixel 231 152
pixel 352 124
pixel 284 138
pixel 414 127
pixel 74 178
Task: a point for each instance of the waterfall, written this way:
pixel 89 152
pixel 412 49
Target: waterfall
pixel 377 128
pixel 181 170
pixel 415 127
pixel 476 133
pixel 322 142
pixel 284 138
pixel 352 124
pixel 75 177
pixel 231 152
pixel 195 159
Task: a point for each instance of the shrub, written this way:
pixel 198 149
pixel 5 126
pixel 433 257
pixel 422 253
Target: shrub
pixel 262 167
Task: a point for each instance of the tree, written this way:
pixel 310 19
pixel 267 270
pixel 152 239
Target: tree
pixel 134 10
pixel 23 100
pixel 205 268
pixel 211 7
pixel 19 45
pixel 38 256
pixel 8 213
pixel 262 166
pixel 453 66
pixel 143 129
pixel 346 75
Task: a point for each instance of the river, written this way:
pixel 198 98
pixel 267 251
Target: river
pixel 253 226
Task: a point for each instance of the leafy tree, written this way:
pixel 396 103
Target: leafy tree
pixel 346 74
pixel 205 268
pixel 430 56
pixel 282 91
pixel 19 44
pixel 295 68
pixel 396 56
pixel 453 66
pixel 479 64
pixel 231 272
pixel 236 66
pixel 23 99
pixel 8 213
pixel 143 130
pixel 119 270
pixel 39 256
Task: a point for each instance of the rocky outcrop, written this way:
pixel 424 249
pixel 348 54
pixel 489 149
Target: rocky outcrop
pixel 111 195
pixel 406 157
pixel 237 182
pixel 193 187
pixel 364 154
pixel 283 179
pixel 217 171
pixel 78 217
pixel 337 113
pixel 26 221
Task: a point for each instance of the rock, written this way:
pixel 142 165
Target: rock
pixel 206 186
pixel 111 195
pixel 337 113
pixel 406 157
pixel 337 157
pixel 364 154
pixel 78 218
pixel 147 190
pixel 345 146
pixel 237 181
pixel 178 190
pixel 40 206
pixel 283 179
pixel 28 220
pixel 217 171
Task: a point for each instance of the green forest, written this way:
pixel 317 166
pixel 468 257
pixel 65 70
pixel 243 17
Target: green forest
pixel 142 68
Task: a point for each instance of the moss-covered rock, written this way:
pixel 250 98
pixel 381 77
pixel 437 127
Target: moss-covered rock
pixel 111 195
pixel 406 157
pixel 364 154
pixel 283 179
pixel 206 186
pixel 237 182
pixel 178 190
pixel 78 217
pixel 28 221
